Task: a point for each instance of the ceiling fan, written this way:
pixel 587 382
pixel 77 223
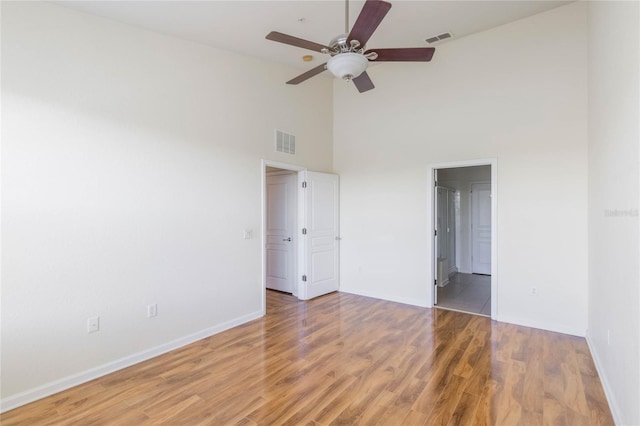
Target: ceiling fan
pixel 349 57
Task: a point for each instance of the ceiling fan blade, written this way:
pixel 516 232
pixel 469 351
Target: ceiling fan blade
pixel 372 13
pixel 363 82
pixel 307 75
pixel 410 54
pixel 295 41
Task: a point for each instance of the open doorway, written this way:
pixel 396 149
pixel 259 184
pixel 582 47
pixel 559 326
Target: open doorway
pixel 281 199
pixel 300 231
pixel 280 217
pixel 463 212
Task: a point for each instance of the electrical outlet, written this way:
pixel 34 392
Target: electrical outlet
pixel 534 291
pixel 93 324
pixel 152 310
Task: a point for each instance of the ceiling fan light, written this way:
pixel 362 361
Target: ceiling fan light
pixel 348 65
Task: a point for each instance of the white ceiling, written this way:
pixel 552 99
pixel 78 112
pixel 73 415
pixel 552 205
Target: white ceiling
pixel 241 26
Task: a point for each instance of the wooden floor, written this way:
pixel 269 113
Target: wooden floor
pixel 345 359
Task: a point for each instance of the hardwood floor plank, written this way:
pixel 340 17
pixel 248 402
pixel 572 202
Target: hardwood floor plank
pixel 447 402
pixel 373 413
pixel 415 418
pixel 471 355
pixel 172 408
pixel 510 403
pixel 403 402
pixel 465 410
pixel 481 372
pixel 533 392
pixel 574 388
pixel 343 359
pixel 306 413
pixel 486 412
pixel 367 390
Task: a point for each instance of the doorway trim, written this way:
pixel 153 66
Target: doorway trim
pixel 431 221
pixel 263 194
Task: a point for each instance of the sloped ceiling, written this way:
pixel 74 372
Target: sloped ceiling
pixel 241 26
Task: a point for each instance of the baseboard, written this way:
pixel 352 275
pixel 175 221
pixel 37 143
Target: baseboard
pixel 502 318
pixel 444 282
pixel 608 391
pixel 406 301
pixel 542 325
pixel 60 385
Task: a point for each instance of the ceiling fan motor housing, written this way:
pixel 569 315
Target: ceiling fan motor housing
pixel 339 45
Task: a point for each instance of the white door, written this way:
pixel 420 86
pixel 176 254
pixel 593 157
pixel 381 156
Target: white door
pixel 436 240
pixel 281 220
pixel 481 228
pixel 320 242
pixel 451 232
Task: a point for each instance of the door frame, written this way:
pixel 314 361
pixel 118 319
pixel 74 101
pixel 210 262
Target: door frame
pixel 263 194
pixel 431 221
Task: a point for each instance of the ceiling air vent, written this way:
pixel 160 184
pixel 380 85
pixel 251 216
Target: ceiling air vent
pixel 285 142
pixel 439 37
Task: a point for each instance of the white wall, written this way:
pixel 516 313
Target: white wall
pixel 517 93
pixel 131 167
pixel 461 179
pixel 614 187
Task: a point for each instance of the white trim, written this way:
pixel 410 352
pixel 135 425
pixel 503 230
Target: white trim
pixel 608 390
pixel 281 165
pixel 281 173
pixel 263 213
pixel 65 383
pixel 446 308
pixel 543 325
pixel 388 298
pixel 493 162
pixel 301 251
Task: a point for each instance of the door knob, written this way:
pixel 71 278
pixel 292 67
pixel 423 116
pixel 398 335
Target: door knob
pixel 286 239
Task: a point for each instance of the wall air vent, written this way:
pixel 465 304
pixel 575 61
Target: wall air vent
pixel 285 142
pixel 439 37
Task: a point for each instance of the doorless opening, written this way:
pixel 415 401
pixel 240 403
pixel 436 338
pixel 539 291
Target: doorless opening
pixel 463 204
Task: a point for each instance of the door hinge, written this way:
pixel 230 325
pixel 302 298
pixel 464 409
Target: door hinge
pixel 435 232
pixel 304 278
pixel 304 231
pixel 435 282
pixel 304 184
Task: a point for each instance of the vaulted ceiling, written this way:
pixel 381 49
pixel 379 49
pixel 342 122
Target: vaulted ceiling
pixel 241 26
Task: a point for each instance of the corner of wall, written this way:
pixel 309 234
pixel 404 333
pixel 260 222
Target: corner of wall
pixel 608 391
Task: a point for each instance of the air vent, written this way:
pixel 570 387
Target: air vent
pixel 285 142
pixel 439 37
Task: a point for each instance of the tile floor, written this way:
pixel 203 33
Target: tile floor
pixel 467 293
